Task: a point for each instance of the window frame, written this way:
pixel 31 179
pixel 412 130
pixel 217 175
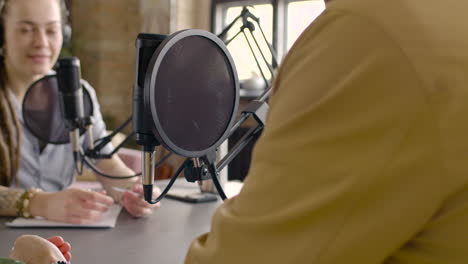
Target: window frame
pixel 280 18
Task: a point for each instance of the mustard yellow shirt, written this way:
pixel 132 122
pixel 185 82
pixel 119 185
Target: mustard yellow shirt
pixel 364 158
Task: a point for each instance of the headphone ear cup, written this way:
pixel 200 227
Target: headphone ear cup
pixel 67 35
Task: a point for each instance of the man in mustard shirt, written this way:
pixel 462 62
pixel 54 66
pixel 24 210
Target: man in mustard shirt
pixel 364 158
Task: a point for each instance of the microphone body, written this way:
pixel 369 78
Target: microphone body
pixel 71 95
pixel 146 45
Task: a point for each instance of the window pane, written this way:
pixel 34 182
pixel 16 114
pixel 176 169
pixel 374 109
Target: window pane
pixel 300 15
pixel 239 48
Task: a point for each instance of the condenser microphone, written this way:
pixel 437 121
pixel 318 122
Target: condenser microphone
pixel 146 45
pixel 71 99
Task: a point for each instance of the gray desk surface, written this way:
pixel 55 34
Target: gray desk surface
pixel 162 238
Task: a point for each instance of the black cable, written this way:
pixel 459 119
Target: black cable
pixel 101 142
pixel 113 133
pixel 171 182
pixel 163 159
pixel 97 171
pixel 122 143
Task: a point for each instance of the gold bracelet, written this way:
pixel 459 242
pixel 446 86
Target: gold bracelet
pixel 23 207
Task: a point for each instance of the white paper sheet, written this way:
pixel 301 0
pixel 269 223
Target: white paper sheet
pixel 108 220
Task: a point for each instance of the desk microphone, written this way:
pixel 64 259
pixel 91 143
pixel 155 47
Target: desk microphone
pixel 71 95
pixel 58 108
pixel 146 44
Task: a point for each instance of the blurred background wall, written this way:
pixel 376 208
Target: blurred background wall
pixel 104 33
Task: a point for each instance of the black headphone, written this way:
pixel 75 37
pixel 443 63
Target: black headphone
pixel 66 27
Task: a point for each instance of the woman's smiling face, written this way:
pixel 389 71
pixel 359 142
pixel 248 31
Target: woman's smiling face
pixel 32 36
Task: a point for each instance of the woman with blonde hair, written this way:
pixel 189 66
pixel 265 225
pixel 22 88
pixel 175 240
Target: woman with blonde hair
pixel 33 175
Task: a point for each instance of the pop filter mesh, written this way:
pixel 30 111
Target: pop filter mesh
pixel 194 93
pixel 42 114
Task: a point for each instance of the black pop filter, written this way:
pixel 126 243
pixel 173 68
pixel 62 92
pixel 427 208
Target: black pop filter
pixel 42 111
pixel 192 90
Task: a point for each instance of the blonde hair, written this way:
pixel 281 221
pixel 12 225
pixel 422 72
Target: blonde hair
pixel 10 130
pixel 10 133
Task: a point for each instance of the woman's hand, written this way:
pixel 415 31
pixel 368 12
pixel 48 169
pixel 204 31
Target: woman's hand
pixel 71 205
pixel 134 203
pixel 35 250
pixel 62 245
